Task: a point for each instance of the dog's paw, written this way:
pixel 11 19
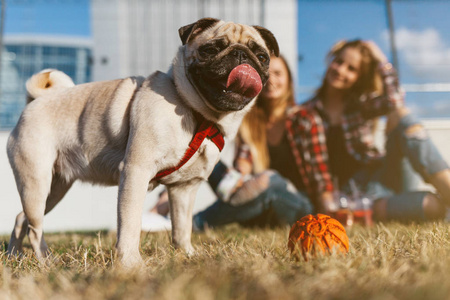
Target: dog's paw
pixel 187 248
pixel 190 251
pixel 130 262
pixel 14 252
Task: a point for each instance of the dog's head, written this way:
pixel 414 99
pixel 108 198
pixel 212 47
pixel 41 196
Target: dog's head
pixel 227 63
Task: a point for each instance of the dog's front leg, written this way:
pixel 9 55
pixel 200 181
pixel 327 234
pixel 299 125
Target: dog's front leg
pixel 133 187
pixel 182 198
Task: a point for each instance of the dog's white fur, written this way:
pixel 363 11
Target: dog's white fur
pixel 114 132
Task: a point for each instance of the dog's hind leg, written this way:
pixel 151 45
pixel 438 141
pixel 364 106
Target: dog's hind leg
pixel 59 188
pixel 17 235
pixel 35 214
pixel 33 170
pixel 34 193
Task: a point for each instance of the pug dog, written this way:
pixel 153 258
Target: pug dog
pixel 129 132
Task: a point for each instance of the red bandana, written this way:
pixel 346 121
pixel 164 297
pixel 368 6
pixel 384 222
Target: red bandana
pixel 207 129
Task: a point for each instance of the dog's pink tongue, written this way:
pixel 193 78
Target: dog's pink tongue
pixel 244 80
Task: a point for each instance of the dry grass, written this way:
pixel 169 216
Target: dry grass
pixel 389 261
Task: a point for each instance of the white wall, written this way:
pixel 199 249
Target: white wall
pixel 107 45
pixel 140 37
pixel 281 19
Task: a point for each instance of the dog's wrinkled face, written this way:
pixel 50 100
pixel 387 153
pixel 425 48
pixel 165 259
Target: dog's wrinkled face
pixel 227 63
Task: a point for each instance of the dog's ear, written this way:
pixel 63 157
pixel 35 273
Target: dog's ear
pixel 189 31
pixel 269 38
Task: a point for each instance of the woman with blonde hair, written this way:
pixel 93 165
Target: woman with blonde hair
pixel 258 191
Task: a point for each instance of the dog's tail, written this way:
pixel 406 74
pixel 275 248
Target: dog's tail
pixel 45 82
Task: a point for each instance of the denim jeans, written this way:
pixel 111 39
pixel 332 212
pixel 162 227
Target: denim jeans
pixel 407 154
pixel 278 205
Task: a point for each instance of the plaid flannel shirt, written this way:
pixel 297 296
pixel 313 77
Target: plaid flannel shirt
pixel 306 131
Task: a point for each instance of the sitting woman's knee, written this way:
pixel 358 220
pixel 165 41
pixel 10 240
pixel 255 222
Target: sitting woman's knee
pixel 433 207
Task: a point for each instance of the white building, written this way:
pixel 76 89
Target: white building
pixel 138 37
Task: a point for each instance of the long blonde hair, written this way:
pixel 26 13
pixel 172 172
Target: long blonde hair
pixel 253 130
pixel 369 80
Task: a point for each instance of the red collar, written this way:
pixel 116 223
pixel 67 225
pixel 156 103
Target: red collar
pixel 207 129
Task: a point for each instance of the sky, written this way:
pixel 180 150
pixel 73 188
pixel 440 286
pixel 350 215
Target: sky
pixel 422 37
pixel 57 17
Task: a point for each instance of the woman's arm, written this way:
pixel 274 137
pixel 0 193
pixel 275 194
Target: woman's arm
pixel 319 165
pixel 243 161
pixel 306 133
pixel 392 97
pixel 225 180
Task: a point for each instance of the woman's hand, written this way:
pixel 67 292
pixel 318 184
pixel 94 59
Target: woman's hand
pixel 243 166
pixel 251 188
pixel 376 52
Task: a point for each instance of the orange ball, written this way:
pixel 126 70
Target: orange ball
pixel 317 234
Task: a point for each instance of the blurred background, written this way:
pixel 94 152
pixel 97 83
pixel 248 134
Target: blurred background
pixel 106 39
pixel 93 40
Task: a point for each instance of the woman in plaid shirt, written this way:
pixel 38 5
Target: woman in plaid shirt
pixel 327 142
pixel 332 136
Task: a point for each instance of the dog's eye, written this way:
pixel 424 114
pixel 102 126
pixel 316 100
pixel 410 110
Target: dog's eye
pixel 262 58
pixel 209 50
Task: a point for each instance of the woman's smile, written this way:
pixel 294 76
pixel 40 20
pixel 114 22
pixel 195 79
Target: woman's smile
pixel 343 71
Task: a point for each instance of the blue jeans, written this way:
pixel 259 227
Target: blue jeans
pixel 395 178
pixel 278 205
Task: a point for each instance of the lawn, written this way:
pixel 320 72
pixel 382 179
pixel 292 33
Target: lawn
pixel 386 261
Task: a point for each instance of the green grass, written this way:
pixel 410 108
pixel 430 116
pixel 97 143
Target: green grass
pixel 387 261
